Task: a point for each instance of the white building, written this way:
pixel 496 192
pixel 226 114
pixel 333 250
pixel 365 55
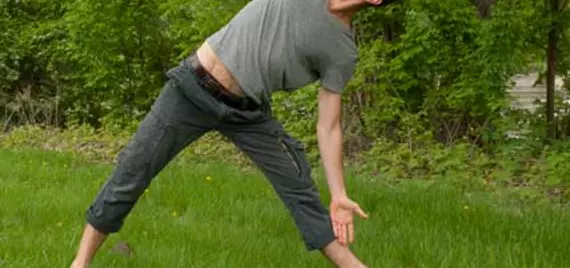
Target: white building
pixel 525 93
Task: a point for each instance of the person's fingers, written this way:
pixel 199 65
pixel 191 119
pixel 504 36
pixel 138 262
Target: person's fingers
pixel 338 231
pixel 343 234
pixel 335 229
pixel 350 233
pixel 360 212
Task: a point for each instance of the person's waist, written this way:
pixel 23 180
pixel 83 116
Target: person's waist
pixel 202 72
pixel 215 88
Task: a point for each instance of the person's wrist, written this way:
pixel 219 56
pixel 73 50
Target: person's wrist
pixel 339 195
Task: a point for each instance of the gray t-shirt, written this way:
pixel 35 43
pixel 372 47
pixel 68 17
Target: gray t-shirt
pixel 273 45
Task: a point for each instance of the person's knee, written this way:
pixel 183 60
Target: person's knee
pixel 144 145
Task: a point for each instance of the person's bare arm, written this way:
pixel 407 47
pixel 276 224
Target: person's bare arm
pixel 330 137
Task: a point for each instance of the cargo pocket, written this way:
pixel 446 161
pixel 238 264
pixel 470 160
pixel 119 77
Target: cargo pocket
pixel 295 152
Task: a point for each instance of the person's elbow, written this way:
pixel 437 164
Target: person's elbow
pixel 328 126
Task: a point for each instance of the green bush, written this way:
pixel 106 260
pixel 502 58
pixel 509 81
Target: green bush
pixel 104 62
pixel 428 99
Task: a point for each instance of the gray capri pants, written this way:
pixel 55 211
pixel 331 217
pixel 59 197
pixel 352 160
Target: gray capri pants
pixel 182 113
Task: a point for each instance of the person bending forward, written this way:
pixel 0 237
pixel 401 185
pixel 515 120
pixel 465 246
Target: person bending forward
pixel 226 86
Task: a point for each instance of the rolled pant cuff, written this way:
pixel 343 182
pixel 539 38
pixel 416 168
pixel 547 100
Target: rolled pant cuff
pixel 100 225
pixel 321 241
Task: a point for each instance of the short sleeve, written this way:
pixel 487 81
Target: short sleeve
pixel 336 77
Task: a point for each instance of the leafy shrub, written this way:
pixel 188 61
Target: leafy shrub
pixel 427 100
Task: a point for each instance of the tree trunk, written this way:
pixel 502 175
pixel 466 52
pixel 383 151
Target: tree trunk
pixel 484 7
pixel 553 35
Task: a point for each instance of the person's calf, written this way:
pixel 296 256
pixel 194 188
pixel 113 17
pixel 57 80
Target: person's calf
pixel 91 241
pixel 341 256
pixel 78 265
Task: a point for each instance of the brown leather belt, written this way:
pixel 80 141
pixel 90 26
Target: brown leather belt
pixel 217 90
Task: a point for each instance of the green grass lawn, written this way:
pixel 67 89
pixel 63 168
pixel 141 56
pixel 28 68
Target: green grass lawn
pixel 235 220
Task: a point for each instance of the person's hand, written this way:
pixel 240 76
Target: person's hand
pixel 342 220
